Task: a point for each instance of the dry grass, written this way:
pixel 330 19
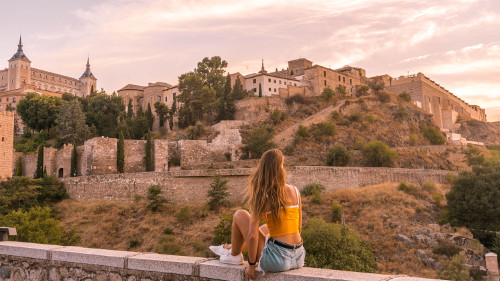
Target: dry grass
pixel 376 213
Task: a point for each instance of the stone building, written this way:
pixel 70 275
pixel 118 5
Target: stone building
pixel 141 96
pixel 6 143
pixel 21 78
pixel 434 99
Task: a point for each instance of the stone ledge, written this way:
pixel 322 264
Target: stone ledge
pixel 92 256
pixel 178 265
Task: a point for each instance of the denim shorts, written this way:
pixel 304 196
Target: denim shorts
pixel 275 258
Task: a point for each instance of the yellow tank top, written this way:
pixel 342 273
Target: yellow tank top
pixel 289 220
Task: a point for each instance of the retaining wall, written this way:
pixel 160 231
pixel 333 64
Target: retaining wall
pixel 189 186
pixel 36 262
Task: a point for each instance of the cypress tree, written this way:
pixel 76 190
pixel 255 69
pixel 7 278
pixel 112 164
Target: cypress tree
pixel 120 157
pixel 149 160
pixel 44 174
pixel 72 172
pixel 260 90
pixel 130 109
pixel 238 91
pixel 39 163
pixel 150 117
pixel 171 119
pixel 19 168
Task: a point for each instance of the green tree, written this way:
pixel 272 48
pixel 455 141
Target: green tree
pixel 149 151
pixel 474 200
pixel 19 168
pixel 257 141
pixel 363 90
pixel 120 157
pixel 222 232
pixel 103 111
pixel 150 117
pixel 455 269
pixel 130 109
pixel 74 156
pixel 71 124
pixel 405 96
pixel 35 225
pixel 238 91
pixel 376 85
pixel 378 154
pixel 260 90
pixel 341 91
pixel 323 130
pixel 338 155
pixel 162 111
pixel 211 70
pixel 39 111
pixel 433 135
pixel 473 155
pixel 218 193
pixel 39 163
pixel 226 104
pixel 334 247
pixel 155 200
pixel 277 116
pixel 327 94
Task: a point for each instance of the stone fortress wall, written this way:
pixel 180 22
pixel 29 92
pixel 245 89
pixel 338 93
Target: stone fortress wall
pixel 34 262
pixel 6 143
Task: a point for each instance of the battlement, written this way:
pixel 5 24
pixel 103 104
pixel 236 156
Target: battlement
pixel 28 261
pixel 6 113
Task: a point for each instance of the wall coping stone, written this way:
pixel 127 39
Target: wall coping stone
pixel 180 265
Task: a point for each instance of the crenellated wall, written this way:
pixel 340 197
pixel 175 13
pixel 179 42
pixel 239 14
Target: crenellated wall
pixel 188 186
pixel 36 262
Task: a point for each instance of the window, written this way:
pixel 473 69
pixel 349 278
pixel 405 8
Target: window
pixel 275 90
pixel 175 96
pixel 339 78
pixel 7 99
pixel 325 82
pixel 159 98
pixel 343 78
pixel 324 73
pixel 350 81
pixel 254 90
pixel 269 89
pixel 166 98
pixel 274 80
pixel 295 84
pixel 280 81
pixel 269 80
pixel 254 81
pixel 284 82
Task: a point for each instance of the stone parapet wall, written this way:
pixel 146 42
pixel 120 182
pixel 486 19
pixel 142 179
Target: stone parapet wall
pixel 191 186
pixel 6 143
pixel 36 262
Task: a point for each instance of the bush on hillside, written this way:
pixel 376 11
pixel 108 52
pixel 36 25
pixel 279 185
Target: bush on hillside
pixel 433 135
pixel 327 94
pixel 184 214
pixel 289 150
pixel 257 142
pixel 407 188
pixel 336 212
pixel 155 200
pixel 446 248
pixel 338 155
pixel 218 193
pixel 311 188
pixel 413 140
pixel 401 113
pixel 322 130
pixel 223 230
pixel 405 96
pixel 370 118
pixel 376 85
pixel 168 245
pixel 356 117
pixel 194 132
pixel 455 269
pixel 331 246
pixel 473 155
pixel 383 97
pixel 363 90
pixel 378 154
pixel 277 116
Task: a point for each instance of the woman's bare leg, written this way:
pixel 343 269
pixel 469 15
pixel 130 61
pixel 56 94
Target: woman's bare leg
pixel 239 233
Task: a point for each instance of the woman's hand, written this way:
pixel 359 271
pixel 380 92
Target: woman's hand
pixel 251 272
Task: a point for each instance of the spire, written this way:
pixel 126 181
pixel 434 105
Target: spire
pixel 262 70
pixel 20 53
pixel 87 72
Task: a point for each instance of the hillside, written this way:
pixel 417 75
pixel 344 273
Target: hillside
pixel 400 227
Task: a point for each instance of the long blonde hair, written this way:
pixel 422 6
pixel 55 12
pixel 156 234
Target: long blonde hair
pixel 267 185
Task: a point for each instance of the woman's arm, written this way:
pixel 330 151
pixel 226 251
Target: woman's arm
pixel 253 238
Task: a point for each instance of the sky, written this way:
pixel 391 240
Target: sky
pixel 454 42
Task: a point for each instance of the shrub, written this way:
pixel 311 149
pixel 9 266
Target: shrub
pixel 455 269
pixel 168 230
pixel 174 161
pixel 168 245
pixel 194 132
pixel 473 155
pixel 433 135
pixel 444 218
pixel 429 186
pixel 134 243
pixel 277 116
pixel 289 150
pixel 341 90
pixel 378 154
pixel 338 155
pixel 401 113
pixel 183 215
pixel 309 189
pixel 36 225
pixel 316 197
pixel 413 140
pixel 383 97
pixel 327 94
pixel 376 85
pixel 447 249
pixel 370 118
pixel 407 188
pixel 363 90
pixel 324 129
pixel 336 212
pixel 217 194
pixel 223 230
pixel 356 117
pixel 405 96
pixel 333 247
pixel 257 141
pixel 301 134
pixel 360 142
pixel 339 119
pixel 450 177
pixel 437 197
pixel 155 200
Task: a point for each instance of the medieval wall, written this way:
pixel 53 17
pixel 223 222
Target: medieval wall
pixel 258 109
pixel 6 143
pixel 189 186
pixel 135 156
pixel 321 77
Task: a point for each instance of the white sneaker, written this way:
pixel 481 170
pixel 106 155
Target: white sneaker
pixel 220 250
pixel 230 259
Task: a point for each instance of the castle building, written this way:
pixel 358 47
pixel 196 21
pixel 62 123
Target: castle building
pixel 141 96
pixel 21 78
pixel 6 143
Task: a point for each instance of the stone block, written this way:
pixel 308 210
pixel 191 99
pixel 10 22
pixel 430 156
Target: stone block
pixel 92 256
pixel 163 263
pixel 28 250
pixel 214 269
pixel 316 274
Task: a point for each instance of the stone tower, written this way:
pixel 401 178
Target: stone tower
pixel 6 143
pixel 89 82
pixel 19 69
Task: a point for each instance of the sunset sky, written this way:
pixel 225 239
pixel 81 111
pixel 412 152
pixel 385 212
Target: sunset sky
pixel 456 43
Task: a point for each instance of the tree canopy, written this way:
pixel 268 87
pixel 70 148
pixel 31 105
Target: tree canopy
pixel 71 123
pixel 39 112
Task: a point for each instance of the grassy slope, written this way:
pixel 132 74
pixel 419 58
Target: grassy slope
pixel 376 213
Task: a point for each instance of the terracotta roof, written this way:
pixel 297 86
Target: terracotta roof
pixel 132 87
